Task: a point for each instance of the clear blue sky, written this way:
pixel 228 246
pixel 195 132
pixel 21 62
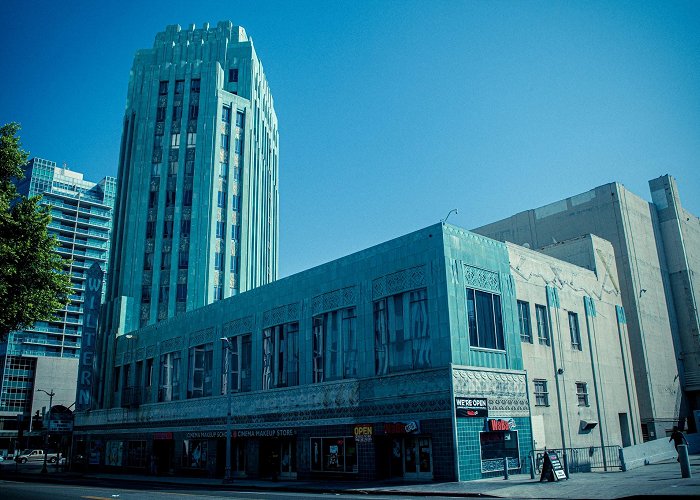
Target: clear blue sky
pixel 391 113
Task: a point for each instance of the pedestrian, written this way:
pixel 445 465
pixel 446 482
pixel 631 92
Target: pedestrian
pixel 678 439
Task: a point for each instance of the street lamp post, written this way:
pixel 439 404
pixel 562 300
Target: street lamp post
pixel 51 394
pixel 227 475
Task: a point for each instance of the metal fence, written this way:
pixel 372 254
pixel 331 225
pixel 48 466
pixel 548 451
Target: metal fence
pixel 594 458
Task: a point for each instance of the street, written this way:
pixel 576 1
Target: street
pixel 12 490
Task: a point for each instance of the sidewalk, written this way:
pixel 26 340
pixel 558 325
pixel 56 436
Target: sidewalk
pixel 663 478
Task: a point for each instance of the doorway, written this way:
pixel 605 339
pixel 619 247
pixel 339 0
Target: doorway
pixel 624 430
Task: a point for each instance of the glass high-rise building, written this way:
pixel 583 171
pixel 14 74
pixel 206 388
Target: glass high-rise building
pixel 197 211
pixel 45 357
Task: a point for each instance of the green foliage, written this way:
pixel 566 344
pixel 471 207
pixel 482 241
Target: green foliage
pixel 32 285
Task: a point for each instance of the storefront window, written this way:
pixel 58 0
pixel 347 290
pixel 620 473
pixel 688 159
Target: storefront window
pixel 497 445
pixel 136 454
pixel 115 453
pixel 195 453
pixel 333 454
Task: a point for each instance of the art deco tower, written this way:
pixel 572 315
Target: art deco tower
pixel 197 210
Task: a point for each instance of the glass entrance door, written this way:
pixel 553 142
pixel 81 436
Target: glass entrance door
pixel 418 458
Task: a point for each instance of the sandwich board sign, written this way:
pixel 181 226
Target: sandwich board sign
pixel 552 469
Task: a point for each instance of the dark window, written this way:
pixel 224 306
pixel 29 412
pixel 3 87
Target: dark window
pixel 238 144
pixel 152 199
pixel 179 87
pixel 218 260
pixel 194 85
pixel 582 393
pixel 187 198
pixel 240 119
pixel 165 260
pixel 181 292
pixel 194 111
pixel 575 332
pixel 221 199
pixel 163 88
pixel 220 229
pixel 150 229
pixel 542 324
pixel 524 319
pixel 167 229
pixel 233 75
pixel 541 394
pixel 185 226
pixel 146 294
pixel 226 114
pixel 148 261
pixel 177 113
pixel 189 167
pixel 160 114
pixel 183 259
pixel 224 141
pixel 485 321
pixel 170 198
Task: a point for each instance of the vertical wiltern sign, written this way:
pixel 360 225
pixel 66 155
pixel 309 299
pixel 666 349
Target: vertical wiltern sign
pixel 88 351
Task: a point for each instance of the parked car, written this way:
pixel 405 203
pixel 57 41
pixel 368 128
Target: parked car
pixel 36 456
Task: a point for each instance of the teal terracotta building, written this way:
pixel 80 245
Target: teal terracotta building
pixel 402 360
pixel 197 211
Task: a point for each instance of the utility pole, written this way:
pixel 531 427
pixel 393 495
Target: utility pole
pixel 51 394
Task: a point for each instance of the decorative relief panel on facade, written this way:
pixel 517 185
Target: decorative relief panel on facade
pixel 149 246
pixel 145 311
pixel 481 279
pixel 202 337
pixel 282 314
pixel 170 345
pixel 150 351
pixel 337 299
pixel 192 126
pixel 311 405
pixel 506 392
pixel 147 278
pixel 165 278
pixel 400 281
pixel 160 128
pixel 157 155
pixel 238 326
pixel 405 385
pixel 162 100
pixel 189 154
pixel 140 352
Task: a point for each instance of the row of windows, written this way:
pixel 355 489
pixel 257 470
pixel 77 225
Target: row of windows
pixel 543 335
pixel 163 293
pixel 195 85
pixel 401 335
pixel 542 393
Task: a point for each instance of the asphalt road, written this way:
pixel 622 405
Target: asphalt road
pixel 10 490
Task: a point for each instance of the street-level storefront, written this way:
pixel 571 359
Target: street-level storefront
pixel 383 449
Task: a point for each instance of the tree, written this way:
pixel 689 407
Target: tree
pixel 32 284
